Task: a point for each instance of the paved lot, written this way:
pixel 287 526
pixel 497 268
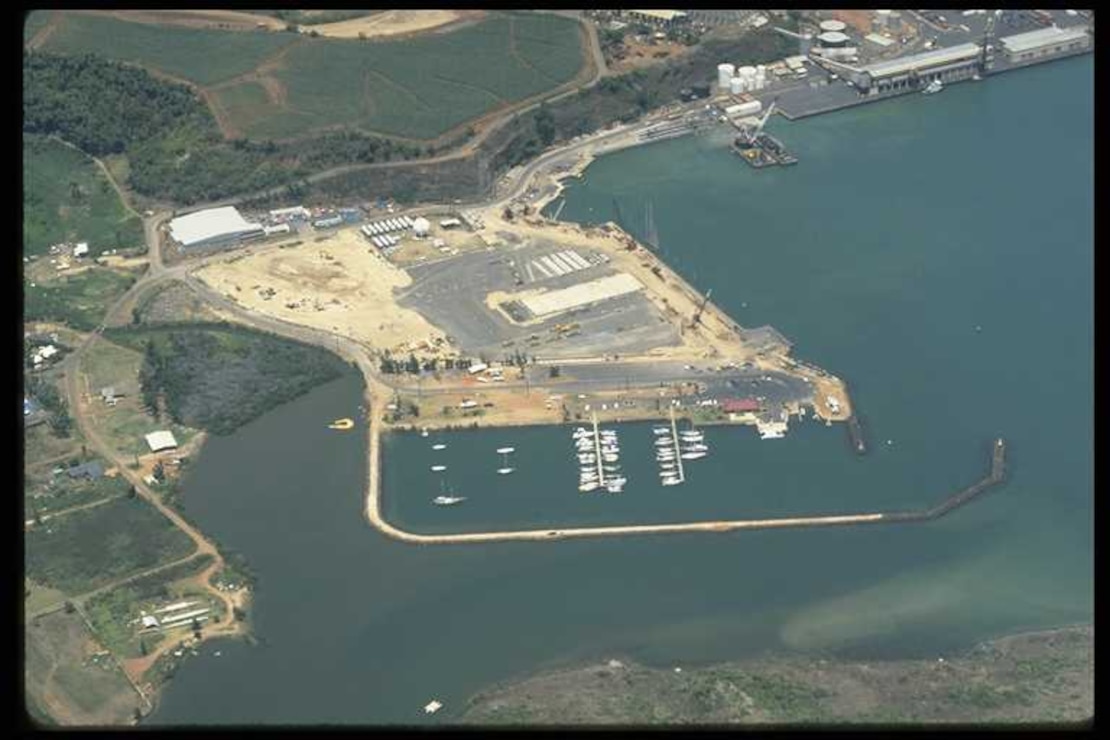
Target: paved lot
pixel 775 388
pixel 451 294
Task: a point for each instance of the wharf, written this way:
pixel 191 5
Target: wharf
pixel 855 433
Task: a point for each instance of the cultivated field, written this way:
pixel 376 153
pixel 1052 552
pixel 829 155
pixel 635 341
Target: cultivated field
pixel 278 85
pixel 84 550
pixel 340 284
pixel 67 198
pixel 70 678
pixel 202 56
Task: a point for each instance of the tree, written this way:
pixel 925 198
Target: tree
pixel 196 627
pixel 69 607
pixel 142 648
pixel 507 213
pixel 238 613
pixel 137 714
pixel 74 192
pixel 159 472
pixel 545 125
pixel 131 492
pixel 553 371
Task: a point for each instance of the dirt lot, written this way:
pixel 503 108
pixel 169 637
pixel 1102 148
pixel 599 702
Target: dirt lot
pixel 341 284
pixel 391 23
pixel 70 676
pixel 226 19
pixel 640 54
pixel 1038 677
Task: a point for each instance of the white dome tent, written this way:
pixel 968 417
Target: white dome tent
pixel 421 227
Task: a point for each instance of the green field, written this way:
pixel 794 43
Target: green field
pixel 202 56
pixel 66 197
pixel 65 493
pixel 84 550
pixel 84 689
pixel 79 300
pixel 417 88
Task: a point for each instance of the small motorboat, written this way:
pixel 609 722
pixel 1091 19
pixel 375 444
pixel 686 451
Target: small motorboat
pixel 505 450
pixel 439 447
pixel 438 468
pixel 448 500
pixel 342 424
pixel 505 471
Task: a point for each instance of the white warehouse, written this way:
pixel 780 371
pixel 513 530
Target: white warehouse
pixel 211 227
pixel 1023 47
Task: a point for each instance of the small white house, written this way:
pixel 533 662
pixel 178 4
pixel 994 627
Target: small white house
pixel 478 367
pixel 468 404
pixel 150 621
pixel 81 249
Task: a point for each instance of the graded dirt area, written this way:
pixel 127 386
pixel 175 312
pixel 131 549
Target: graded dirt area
pixel 391 23
pixel 340 284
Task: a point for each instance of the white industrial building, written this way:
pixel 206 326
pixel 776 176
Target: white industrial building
pixel 582 294
pixel 658 17
pixel 1023 47
pixel 213 226
pixel 905 73
pixel 162 440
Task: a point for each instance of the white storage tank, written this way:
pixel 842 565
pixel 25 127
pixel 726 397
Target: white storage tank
pixel 421 227
pixel 725 73
pixel 746 72
pixel 833 39
pixel 736 85
pixel 834 25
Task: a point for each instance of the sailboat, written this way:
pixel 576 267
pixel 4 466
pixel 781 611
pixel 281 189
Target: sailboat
pixel 504 452
pixel 651 234
pixel 444 500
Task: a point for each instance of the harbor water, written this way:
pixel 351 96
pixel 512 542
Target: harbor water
pixel 934 251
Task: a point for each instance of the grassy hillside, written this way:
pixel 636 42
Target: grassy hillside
pixel 199 55
pixel 417 88
pixel 66 197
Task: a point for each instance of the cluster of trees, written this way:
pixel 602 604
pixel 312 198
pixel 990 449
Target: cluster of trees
pixel 43 391
pixel 218 379
pixel 172 143
pixel 415 366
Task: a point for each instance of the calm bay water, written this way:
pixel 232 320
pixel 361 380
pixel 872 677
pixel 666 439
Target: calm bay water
pixel 906 225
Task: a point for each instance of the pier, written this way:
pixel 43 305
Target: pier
pixel 964 496
pixel 597 451
pixel 855 433
pixel 677 449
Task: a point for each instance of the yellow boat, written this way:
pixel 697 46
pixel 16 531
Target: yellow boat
pixel 342 424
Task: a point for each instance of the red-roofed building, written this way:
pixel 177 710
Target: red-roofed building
pixel 737 405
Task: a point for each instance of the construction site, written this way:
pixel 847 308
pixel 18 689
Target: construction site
pixel 588 319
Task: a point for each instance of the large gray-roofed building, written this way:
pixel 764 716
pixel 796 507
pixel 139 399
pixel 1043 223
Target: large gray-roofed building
pixel 212 226
pixel 925 60
pixel 1043 41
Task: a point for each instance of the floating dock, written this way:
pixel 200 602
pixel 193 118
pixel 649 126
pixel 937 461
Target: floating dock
pixel 765 151
pixel 855 433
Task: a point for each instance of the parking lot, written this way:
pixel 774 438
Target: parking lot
pixel 452 294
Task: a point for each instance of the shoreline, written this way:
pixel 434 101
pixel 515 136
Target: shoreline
pixel 557 695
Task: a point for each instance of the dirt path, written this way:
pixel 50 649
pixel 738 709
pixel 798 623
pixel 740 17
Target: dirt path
pixel 46 31
pixel 62 512
pixel 225 19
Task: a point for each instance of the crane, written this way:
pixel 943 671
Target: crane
pixel 751 133
pixel 986 59
pixel 701 307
